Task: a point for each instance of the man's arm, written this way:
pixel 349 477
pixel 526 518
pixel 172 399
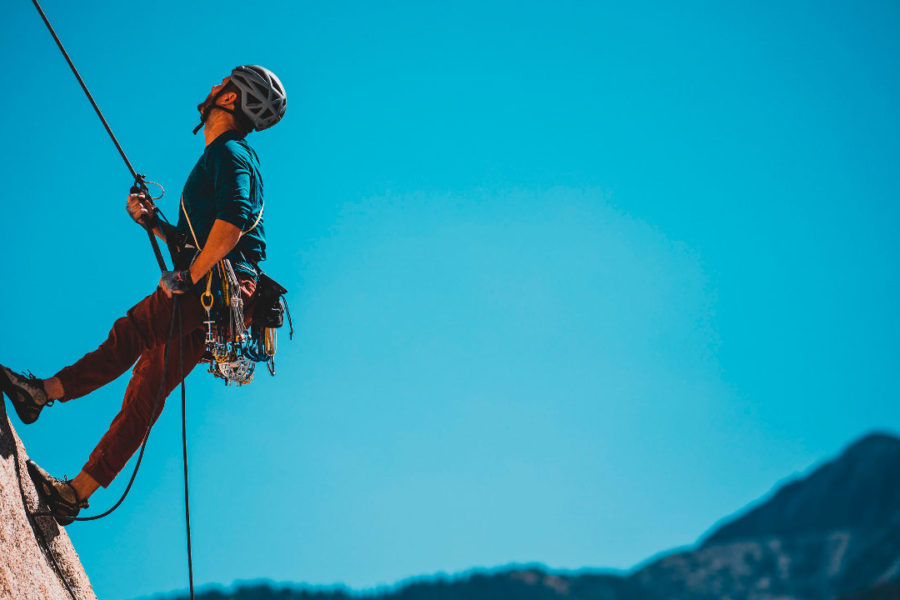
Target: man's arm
pixel 233 186
pixel 222 239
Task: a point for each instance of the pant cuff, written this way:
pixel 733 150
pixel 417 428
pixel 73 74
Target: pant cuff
pixel 67 385
pixel 100 474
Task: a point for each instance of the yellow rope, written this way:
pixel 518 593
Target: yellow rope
pixel 194 235
pixel 206 298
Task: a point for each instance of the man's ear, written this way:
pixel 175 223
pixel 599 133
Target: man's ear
pixel 227 100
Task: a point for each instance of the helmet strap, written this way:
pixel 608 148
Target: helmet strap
pixel 206 112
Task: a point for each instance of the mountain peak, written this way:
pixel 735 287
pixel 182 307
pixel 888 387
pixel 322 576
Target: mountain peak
pixel 876 442
pixel 849 492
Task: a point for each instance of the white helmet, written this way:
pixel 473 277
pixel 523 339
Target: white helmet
pixel 263 99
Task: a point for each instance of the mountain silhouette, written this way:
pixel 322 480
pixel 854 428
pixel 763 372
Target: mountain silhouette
pixel 854 491
pixel 833 534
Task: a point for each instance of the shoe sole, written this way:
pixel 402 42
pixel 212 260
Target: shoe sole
pixel 46 491
pixel 12 391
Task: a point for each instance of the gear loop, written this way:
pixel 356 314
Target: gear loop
pixel 162 190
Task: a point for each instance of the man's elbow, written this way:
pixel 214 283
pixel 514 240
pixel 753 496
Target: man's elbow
pixel 228 228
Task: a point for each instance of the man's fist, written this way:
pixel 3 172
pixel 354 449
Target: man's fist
pixel 137 207
pixel 176 282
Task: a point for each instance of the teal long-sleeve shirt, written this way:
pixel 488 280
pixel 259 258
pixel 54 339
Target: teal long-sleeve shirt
pixel 226 184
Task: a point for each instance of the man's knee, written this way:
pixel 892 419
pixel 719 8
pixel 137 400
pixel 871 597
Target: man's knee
pixel 153 320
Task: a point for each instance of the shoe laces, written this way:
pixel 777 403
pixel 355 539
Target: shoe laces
pixel 79 501
pixel 38 383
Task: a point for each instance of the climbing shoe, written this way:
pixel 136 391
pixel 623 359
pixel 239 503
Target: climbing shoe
pixel 59 494
pixel 26 392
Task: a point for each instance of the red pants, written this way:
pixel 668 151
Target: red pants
pixel 140 336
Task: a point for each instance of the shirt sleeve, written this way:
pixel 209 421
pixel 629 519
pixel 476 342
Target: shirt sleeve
pixel 232 180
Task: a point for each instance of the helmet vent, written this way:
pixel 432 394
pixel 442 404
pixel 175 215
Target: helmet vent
pixel 263 99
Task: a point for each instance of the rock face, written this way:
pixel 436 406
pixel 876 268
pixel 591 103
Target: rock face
pixel 37 560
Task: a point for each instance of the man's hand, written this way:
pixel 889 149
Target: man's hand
pixel 175 282
pixel 136 205
pixel 141 207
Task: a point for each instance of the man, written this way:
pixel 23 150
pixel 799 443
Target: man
pixel 220 213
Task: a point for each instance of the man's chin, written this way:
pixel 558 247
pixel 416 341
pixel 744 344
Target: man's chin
pixel 204 105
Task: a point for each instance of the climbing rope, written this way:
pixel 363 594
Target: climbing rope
pixel 176 315
pixel 149 223
pixel 184 452
pixel 176 312
pixel 140 181
pixel 36 528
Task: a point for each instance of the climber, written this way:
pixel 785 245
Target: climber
pixel 221 209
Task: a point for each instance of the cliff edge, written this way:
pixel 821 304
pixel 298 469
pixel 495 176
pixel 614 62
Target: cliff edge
pixel 37 560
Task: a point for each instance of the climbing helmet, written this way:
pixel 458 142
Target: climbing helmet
pixel 263 99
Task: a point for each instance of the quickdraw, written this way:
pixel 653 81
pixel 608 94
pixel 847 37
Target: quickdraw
pixel 231 349
pixel 226 334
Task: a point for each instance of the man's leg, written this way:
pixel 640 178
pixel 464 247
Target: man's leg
pixel 138 411
pixel 141 407
pixel 145 326
pixel 127 431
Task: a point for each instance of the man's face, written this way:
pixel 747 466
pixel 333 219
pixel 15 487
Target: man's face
pixel 209 99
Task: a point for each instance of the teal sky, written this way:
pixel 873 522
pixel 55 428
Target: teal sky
pixel 571 280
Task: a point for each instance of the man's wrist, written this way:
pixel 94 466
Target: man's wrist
pixel 178 282
pixel 148 219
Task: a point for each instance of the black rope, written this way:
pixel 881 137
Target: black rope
pixel 140 186
pixel 139 180
pixel 86 91
pixel 184 453
pixel 159 396
pixel 176 314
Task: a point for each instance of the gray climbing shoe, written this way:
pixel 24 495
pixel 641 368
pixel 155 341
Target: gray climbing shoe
pixel 59 494
pixel 26 393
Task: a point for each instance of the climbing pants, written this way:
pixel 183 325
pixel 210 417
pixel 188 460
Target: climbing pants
pixel 141 336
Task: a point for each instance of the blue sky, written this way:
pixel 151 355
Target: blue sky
pixel 571 281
